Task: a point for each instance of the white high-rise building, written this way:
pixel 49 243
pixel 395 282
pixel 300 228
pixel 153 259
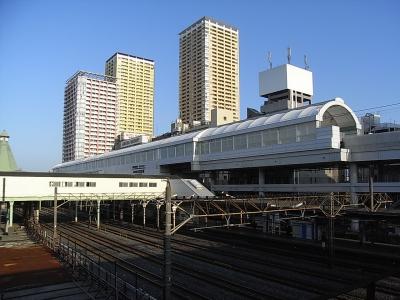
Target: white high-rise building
pixel 90 115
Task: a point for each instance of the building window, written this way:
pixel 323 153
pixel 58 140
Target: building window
pixel 270 137
pixel 215 146
pixel 171 152
pixel 254 140
pixel 164 153
pixel 204 148
pixel 142 184
pixel 152 184
pixel 180 150
pixel 123 184
pixel 227 144
pixel 240 142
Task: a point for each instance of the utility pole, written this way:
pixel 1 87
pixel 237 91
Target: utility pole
pixel 167 243
pixel 55 217
pixel 371 185
pixel 331 231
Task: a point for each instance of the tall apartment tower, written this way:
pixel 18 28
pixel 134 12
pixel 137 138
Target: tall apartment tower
pixel 135 76
pixel 208 70
pixel 90 115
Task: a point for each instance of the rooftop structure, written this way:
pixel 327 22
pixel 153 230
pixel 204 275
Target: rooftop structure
pixel 92 76
pixel 286 87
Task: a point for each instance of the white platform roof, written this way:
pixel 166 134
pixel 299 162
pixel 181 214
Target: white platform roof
pixel 334 109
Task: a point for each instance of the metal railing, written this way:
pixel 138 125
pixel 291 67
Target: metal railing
pixel 102 276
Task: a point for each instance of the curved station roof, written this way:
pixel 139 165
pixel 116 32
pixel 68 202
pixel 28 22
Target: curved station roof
pixel 335 109
pixel 332 112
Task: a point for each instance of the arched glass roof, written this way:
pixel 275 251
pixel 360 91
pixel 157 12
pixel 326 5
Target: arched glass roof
pixel 336 108
pixel 333 112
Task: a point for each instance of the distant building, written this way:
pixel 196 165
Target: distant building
pixel 208 70
pixel 371 123
pixel 135 77
pixel 7 161
pixel 90 115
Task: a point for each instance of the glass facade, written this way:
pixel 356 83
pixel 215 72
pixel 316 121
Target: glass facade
pixel 264 138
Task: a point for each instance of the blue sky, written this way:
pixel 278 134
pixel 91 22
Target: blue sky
pixel 352 46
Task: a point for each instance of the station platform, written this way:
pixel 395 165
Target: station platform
pixel 30 271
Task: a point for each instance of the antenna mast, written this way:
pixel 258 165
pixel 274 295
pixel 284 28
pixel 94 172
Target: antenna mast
pixel 270 59
pixel 289 54
pixel 306 66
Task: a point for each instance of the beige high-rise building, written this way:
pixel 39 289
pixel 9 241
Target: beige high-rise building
pixel 90 114
pixel 135 77
pixel 208 70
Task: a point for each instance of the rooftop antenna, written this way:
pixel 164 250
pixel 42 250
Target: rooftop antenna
pixel 289 54
pixel 270 59
pixel 306 66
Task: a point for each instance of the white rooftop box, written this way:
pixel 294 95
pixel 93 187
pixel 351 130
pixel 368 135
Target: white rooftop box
pixel 285 77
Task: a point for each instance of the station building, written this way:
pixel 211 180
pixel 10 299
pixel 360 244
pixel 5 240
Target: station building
pixel 289 146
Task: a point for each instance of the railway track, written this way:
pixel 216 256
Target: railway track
pixel 254 266
pixel 132 233
pixel 288 265
pixel 386 289
pixel 181 271
pixel 131 269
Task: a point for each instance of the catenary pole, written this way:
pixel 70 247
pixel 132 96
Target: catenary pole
pixel 167 243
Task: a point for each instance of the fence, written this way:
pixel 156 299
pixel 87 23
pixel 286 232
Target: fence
pixel 101 275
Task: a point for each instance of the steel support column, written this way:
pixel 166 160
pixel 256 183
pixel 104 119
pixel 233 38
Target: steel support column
pixel 167 244
pixel 144 204
pixel 331 230
pixel 132 212
pixel 261 181
pixel 36 214
pixel 331 239
pixel 98 214
pixel 371 186
pixel 264 222
pixel 174 207
pixel 353 182
pixel 76 211
pixel 55 216
pixel 158 206
pixel 11 214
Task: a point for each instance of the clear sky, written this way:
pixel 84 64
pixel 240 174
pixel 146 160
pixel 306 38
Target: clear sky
pixel 352 46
